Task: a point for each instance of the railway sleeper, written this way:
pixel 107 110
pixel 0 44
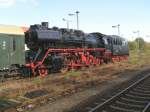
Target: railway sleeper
pixel 120 109
pixel 126 100
pixel 139 90
pixel 144 87
pixel 139 93
pixel 126 106
pixel 130 105
pixel 146 83
pixel 137 97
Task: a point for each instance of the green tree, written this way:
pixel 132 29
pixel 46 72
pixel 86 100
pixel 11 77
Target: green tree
pixel 132 45
pixel 140 43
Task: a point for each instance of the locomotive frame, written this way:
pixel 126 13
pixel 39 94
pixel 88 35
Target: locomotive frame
pixel 84 59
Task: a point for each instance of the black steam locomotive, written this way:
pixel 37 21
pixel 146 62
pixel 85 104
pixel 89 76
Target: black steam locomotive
pixel 54 49
pixel 40 36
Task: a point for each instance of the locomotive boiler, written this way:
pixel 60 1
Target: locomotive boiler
pixel 40 36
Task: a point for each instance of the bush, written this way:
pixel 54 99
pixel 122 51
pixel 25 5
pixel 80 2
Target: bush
pixel 138 43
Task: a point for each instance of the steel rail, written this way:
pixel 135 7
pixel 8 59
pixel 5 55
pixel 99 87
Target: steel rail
pixel 110 101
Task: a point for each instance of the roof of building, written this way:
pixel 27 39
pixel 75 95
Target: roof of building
pixel 10 29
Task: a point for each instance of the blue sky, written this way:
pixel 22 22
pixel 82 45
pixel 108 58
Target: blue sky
pixel 95 15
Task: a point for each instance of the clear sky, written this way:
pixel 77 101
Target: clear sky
pixel 95 15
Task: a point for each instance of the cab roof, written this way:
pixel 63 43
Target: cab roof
pixel 11 29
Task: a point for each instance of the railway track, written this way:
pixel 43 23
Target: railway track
pixel 135 98
pixel 9 77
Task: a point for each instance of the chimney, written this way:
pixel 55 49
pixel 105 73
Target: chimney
pixel 45 24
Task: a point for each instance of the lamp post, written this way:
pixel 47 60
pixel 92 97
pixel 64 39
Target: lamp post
pixel 138 36
pixel 67 22
pixel 77 13
pixel 138 33
pixel 77 17
pixel 117 26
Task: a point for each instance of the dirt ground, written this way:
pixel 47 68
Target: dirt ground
pixel 64 104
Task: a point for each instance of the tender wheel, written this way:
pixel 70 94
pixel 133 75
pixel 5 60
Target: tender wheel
pixel 26 72
pixel 2 77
